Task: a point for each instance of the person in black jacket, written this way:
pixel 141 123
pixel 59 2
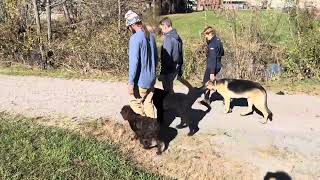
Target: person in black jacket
pixel 171 55
pixel 215 52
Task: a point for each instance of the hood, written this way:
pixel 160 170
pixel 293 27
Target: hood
pixel 173 34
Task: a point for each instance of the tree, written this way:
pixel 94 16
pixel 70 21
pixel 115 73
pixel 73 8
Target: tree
pixel 66 13
pixel 48 12
pixel 37 17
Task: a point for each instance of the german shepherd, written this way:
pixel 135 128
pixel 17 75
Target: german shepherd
pixel 255 94
pixel 146 129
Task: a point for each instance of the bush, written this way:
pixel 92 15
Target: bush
pixel 94 40
pixel 249 47
pixel 303 55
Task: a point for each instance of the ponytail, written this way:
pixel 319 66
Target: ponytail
pixel 146 31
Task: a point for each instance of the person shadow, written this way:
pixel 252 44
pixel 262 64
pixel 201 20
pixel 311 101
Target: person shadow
pixel 241 102
pixel 172 105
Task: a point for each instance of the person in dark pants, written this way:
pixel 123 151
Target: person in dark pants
pixel 215 52
pixel 171 55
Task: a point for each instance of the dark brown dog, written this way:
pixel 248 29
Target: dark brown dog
pixel 146 129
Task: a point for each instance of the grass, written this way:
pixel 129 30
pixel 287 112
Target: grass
pixel 31 151
pixel 191 25
pixel 309 86
pixel 24 70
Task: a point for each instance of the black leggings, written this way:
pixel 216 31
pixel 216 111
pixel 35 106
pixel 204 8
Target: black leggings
pixel 206 78
pixel 207 73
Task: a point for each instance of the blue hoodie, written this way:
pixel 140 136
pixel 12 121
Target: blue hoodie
pixel 143 59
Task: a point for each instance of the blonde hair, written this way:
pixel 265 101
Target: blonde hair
pixel 209 30
pixel 146 31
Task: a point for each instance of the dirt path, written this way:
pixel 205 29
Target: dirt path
pixel 290 143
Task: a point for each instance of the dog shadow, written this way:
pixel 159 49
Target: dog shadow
pixel 165 117
pixel 187 113
pixel 240 102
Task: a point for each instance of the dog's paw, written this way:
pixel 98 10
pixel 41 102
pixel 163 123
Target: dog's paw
pixel 158 152
pixel 192 132
pixel 227 111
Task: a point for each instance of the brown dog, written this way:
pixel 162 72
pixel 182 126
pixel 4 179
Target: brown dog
pixel 146 129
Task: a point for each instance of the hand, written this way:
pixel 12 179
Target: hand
pixel 130 89
pixel 212 77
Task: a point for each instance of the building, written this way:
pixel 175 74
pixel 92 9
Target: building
pixel 261 4
pixel 235 4
pixel 208 4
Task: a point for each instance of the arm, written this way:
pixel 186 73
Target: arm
pixel 177 55
pixel 167 50
pixel 176 51
pixel 133 59
pixel 155 50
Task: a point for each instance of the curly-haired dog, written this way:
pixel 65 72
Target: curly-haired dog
pixel 255 94
pixel 146 129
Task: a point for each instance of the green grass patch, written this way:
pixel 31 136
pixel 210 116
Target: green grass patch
pixel 273 24
pixel 310 86
pixel 31 151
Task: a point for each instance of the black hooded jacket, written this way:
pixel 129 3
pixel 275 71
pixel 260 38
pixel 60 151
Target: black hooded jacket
pixel 171 53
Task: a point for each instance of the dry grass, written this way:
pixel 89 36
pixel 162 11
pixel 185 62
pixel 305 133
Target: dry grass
pixel 183 160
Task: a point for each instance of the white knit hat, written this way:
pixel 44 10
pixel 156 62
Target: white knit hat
pixel 131 18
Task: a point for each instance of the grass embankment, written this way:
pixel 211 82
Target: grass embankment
pixel 31 151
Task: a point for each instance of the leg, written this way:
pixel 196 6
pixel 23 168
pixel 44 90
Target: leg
pixel 135 102
pixel 206 78
pixel 260 104
pixel 148 106
pixel 249 110
pixel 183 116
pixel 159 147
pixel 167 82
pixel 227 105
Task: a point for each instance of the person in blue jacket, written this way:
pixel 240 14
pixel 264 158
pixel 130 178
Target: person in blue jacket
pixel 214 55
pixel 143 59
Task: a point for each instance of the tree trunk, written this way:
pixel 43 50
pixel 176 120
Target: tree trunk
pixel 119 16
pixel 48 11
pixel 37 17
pixel 154 9
pixel 66 13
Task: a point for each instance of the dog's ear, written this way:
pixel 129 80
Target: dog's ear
pixel 126 112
